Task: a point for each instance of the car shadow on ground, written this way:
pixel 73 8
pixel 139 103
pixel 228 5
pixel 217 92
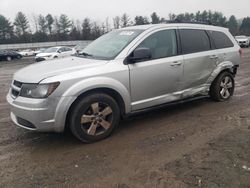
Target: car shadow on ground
pixel 127 126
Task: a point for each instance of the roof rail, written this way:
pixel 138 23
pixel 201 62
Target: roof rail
pixel 190 22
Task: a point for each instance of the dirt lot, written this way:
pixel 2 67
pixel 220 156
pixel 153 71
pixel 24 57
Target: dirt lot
pixel 195 144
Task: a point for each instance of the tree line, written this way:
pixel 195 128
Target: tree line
pixel 53 28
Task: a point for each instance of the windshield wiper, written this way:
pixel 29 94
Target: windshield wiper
pixel 85 54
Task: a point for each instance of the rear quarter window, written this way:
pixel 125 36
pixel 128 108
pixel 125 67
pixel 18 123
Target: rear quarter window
pixel 221 40
pixel 194 40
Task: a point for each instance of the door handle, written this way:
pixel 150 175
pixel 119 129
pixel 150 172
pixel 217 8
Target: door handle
pixel 176 63
pixel 214 57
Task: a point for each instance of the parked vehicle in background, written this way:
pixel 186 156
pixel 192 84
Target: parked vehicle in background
pixel 54 52
pixel 40 50
pixel 243 41
pixel 8 55
pixel 123 72
pixel 26 53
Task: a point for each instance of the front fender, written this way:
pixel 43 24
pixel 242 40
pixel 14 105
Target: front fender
pixel 70 95
pixel 99 82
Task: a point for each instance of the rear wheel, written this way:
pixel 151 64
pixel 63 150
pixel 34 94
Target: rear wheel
pixel 94 117
pixel 223 87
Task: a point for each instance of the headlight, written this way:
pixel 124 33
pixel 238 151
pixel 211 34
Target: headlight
pixel 38 91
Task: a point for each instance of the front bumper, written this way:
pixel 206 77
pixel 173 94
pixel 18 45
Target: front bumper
pixel 39 59
pixel 35 114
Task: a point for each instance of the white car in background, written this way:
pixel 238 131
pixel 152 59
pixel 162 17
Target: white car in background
pixel 54 52
pixel 242 40
pixel 26 53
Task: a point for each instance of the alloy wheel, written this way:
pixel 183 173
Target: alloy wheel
pixel 226 87
pixel 97 119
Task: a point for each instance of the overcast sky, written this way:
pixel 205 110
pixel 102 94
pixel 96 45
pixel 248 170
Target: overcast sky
pixel 100 9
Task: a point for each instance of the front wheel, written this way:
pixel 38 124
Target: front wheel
pixel 223 87
pixel 94 117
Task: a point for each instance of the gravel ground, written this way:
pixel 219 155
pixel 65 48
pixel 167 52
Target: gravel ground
pixel 194 144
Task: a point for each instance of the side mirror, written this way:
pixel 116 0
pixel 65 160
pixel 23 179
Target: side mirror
pixel 139 54
pixel 59 51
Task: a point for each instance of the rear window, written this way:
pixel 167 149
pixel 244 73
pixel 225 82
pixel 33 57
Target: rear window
pixel 221 40
pixel 194 40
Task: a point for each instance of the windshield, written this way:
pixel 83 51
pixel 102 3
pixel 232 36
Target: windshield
pixel 110 45
pixel 51 50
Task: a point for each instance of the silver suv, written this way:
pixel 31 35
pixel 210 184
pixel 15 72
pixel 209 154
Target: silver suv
pixel 123 72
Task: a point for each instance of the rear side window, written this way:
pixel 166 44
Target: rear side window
pixel 221 40
pixel 194 40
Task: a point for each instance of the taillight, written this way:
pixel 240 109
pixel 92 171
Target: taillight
pixel 240 52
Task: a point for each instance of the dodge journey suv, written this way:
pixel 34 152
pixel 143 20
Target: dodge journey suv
pixel 123 72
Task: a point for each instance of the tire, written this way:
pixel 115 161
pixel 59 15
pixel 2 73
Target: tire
pixel 222 89
pixel 94 117
pixel 19 57
pixel 55 57
pixel 8 58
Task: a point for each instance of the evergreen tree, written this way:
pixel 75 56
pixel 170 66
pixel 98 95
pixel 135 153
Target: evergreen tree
pixel 245 26
pixel 65 24
pixel 155 18
pixel 22 24
pixel 125 20
pixel 232 25
pixel 86 29
pixel 42 24
pixel 6 29
pixel 49 21
pixel 140 20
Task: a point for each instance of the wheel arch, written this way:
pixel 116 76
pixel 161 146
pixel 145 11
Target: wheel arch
pixel 226 66
pixel 105 90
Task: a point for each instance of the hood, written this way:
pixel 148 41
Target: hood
pixel 242 40
pixel 39 71
pixel 44 54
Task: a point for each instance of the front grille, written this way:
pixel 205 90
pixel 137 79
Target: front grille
pixel 15 88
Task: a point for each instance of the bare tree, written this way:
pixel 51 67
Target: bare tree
pixel 116 21
pixel 35 21
pixel 107 24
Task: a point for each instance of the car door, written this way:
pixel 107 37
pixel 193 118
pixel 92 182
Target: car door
pixel 156 81
pixel 59 52
pixel 199 60
pixel 223 44
pixel 64 52
pixel 67 51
